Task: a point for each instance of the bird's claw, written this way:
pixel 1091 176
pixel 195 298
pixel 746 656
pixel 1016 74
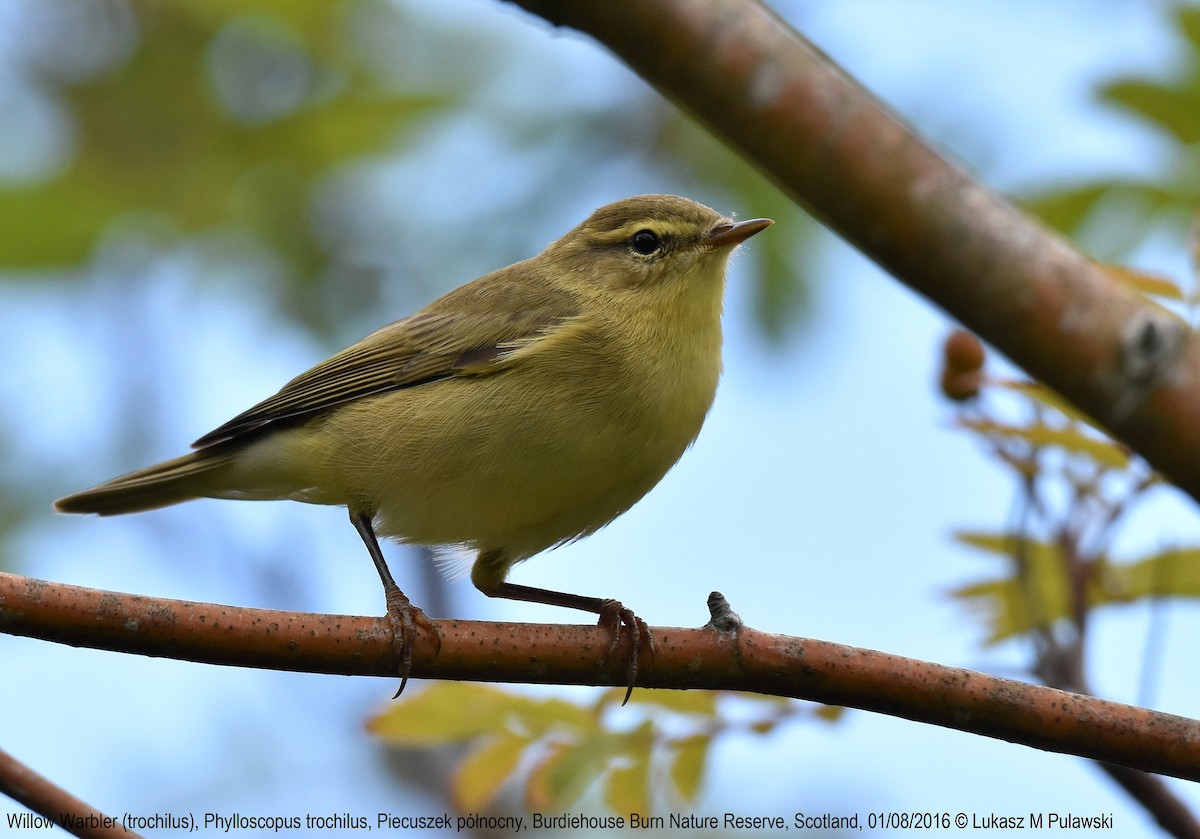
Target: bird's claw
pixel 405 618
pixel 614 615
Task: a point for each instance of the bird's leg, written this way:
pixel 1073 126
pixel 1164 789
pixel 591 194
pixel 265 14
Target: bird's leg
pixel 613 613
pixel 402 614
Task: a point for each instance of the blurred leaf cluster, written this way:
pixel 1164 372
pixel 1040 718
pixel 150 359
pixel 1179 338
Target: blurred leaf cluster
pixel 559 751
pixel 1110 216
pixel 294 121
pixel 211 113
pixel 1076 489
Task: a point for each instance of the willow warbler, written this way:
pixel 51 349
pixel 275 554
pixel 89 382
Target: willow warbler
pixel 523 410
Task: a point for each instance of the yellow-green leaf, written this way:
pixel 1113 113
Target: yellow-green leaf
pixel 559 779
pixel 1071 438
pixel 1015 604
pixel 688 763
pixel 1187 19
pixel 1040 393
pixel 541 716
pixel 481 774
pixel 1169 573
pixel 445 712
pixel 681 701
pixel 1065 209
pixel 1154 285
pixel 1173 107
pixel 830 713
pixel 627 789
pixel 1008 544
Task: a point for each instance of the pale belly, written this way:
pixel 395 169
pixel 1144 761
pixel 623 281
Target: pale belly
pixel 485 462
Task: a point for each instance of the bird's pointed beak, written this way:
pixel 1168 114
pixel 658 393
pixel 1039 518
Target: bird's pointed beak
pixel 730 235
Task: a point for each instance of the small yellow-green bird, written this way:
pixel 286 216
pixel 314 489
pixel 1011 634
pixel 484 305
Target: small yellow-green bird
pixel 523 410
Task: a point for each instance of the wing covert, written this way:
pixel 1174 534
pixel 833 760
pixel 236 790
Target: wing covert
pixel 429 346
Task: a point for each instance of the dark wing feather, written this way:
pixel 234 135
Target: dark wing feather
pixel 437 343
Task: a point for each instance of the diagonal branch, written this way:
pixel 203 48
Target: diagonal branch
pixel 756 83
pixel 55 804
pixel 734 657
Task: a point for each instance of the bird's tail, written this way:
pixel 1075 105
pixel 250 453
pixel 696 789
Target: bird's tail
pixel 194 475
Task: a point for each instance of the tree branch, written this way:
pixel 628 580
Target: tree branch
pixel 726 656
pixel 1128 364
pixel 45 798
pixel 1166 808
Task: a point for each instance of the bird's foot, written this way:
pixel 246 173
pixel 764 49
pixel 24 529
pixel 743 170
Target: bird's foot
pixel 614 615
pixel 405 618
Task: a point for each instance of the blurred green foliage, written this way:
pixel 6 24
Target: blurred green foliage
pixel 558 751
pixel 1076 489
pixel 1110 215
pixel 1043 594
pixel 221 113
pixel 286 120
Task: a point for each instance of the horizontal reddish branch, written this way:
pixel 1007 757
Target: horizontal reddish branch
pixel 759 85
pixel 733 658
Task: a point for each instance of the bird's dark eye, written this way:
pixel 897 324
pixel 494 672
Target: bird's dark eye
pixel 646 242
